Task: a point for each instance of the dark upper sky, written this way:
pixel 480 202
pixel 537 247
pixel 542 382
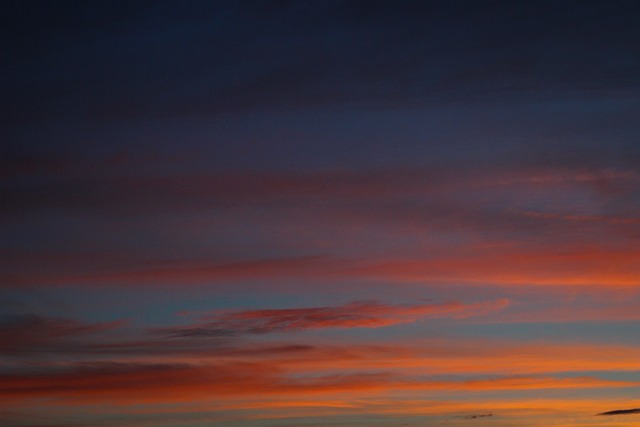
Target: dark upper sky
pixel 278 84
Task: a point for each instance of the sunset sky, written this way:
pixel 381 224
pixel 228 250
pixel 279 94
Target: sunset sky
pixel 320 213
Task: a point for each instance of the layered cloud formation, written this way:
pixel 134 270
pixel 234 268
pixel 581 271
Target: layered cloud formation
pixel 335 213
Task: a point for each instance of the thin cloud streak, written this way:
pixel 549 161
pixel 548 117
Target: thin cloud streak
pixel 577 266
pixel 472 264
pixel 621 412
pixel 362 314
pixel 31 333
pixel 134 194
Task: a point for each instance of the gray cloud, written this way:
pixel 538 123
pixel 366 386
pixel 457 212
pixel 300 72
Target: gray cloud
pixel 476 416
pixel 621 412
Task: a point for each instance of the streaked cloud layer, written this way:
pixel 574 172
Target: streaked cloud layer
pixel 307 213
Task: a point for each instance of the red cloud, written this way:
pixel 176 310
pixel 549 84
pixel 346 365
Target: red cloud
pixel 363 314
pixel 533 209
pixel 31 333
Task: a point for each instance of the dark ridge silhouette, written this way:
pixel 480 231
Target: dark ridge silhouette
pixel 621 412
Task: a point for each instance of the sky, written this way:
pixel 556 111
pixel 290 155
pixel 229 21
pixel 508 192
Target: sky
pixel 320 213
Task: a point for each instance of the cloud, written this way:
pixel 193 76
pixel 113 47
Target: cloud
pixel 109 269
pixel 133 383
pixel 476 416
pixel 35 337
pixel 110 381
pixel 186 271
pixel 514 265
pixel 497 263
pixel 621 412
pixel 78 364
pixel 23 334
pixel 362 314
pixel 569 304
pixel 509 226
pixel 466 263
pixel 122 192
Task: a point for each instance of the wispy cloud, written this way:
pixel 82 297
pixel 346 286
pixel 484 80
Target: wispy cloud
pixel 476 416
pixel 132 194
pixel 362 314
pixel 621 412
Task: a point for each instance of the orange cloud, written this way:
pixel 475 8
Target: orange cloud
pixel 127 383
pixel 546 266
pixel 258 380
